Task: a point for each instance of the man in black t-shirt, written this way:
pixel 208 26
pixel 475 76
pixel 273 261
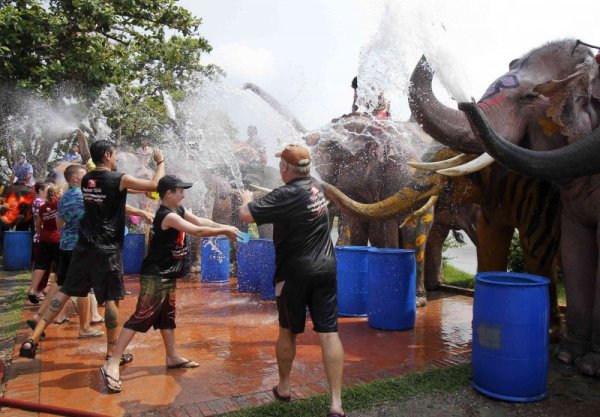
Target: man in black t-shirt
pixel 305 272
pixel 96 261
pixel 160 270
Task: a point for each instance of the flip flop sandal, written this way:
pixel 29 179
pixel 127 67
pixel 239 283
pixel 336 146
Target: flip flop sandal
pixel 107 381
pixel 125 358
pixel 32 323
pixel 33 298
pixel 97 321
pixel 28 352
pixel 277 395
pixel 184 365
pixel 96 333
pixel 336 415
pixel 62 321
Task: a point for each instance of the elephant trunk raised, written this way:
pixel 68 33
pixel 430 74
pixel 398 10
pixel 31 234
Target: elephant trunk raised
pixel 446 125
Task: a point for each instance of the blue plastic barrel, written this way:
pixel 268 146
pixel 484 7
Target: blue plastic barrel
pixel 391 290
pixel 352 278
pixel 511 313
pixel 252 265
pixel 17 250
pixel 134 250
pixel 215 259
pixel 247 276
pixel 266 264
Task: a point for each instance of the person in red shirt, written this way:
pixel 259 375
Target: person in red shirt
pixel 49 239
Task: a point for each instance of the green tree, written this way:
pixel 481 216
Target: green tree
pixel 76 48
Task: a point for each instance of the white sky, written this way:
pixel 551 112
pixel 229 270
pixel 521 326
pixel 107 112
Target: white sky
pixel 306 53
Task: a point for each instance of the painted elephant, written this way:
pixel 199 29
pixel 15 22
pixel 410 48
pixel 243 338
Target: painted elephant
pixel 495 201
pixel 552 106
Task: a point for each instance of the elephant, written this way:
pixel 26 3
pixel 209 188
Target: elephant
pixel 493 202
pixel 357 146
pixel 546 125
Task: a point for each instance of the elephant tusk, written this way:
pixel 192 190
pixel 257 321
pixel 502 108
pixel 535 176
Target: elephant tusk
pixel 475 165
pixel 448 163
pixel 432 200
pixel 259 188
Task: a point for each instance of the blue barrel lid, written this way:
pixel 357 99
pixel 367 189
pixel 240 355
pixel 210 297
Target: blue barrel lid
pixel 353 248
pixel 390 250
pixel 511 278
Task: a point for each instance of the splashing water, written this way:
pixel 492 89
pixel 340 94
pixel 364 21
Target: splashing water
pixel 406 31
pixel 169 106
pixel 215 252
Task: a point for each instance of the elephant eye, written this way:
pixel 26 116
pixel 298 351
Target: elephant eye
pixel 531 97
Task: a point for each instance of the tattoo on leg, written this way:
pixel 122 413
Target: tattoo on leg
pixel 112 318
pixel 55 305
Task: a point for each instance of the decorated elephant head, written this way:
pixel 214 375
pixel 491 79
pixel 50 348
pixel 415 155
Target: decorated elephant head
pixel 549 102
pixel 548 99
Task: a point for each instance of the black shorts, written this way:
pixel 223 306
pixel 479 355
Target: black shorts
pixel 63 266
pixel 319 293
pixel 47 256
pixel 90 268
pixel 155 305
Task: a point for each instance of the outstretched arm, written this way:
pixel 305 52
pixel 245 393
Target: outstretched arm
pixel 177 222
pixel 132 211
pixel 128 181
pixel 201 221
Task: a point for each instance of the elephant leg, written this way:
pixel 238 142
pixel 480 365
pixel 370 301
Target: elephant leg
pixel 493 246
pixel 550 269
pixel 359 231
pixel 384 234
pixel 434 274
pixel 579 252
pixel 589 364
pixel 413 240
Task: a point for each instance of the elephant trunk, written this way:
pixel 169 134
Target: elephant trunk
pixel 408 199
pixel 276 105
pixel 446 125
pixel 579 159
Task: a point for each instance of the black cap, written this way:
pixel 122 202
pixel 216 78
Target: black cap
pixel 169 182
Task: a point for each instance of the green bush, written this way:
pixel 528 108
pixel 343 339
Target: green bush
pixel 516 261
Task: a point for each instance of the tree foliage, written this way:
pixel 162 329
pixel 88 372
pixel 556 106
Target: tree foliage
pixel 76 48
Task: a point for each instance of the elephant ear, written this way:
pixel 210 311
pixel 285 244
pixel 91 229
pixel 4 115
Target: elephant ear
pixel 596 88
pixel 562 95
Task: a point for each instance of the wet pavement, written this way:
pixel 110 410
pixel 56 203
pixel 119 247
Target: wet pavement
pixel 232 336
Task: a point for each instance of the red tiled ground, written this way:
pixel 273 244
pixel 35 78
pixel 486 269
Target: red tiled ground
pixel 231 335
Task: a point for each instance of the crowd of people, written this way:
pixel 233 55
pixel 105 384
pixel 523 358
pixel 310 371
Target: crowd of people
pixel 79 242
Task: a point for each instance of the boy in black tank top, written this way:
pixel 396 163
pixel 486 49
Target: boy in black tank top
pixel 160 270
pixel 96 261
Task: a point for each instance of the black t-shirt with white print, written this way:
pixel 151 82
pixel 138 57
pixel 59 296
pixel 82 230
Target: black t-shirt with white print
pixel 298 211
pixel 168 249
pixel 103 224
